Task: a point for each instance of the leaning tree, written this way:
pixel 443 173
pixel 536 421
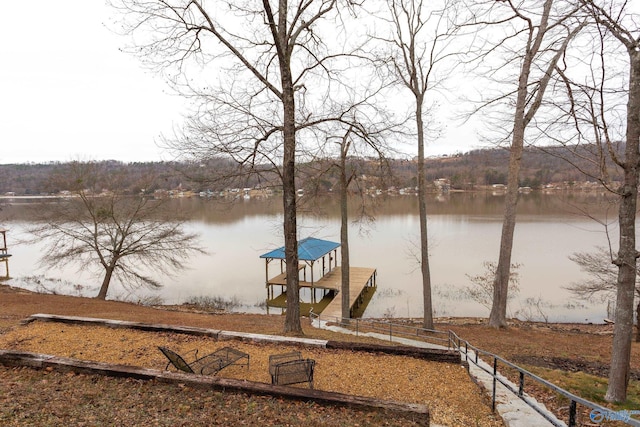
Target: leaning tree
pixel 519 64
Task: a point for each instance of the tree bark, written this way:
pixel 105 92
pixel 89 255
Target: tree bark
pixel 344 231
pixel 498 315
pixel 638 321
pixel 427 321
pixel 292 317
pixel 102 294
pixel 627 254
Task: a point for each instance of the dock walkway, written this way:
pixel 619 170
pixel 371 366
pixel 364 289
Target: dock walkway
pixel 359 279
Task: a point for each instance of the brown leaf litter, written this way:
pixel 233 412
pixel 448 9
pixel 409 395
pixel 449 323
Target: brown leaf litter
pixel 453 399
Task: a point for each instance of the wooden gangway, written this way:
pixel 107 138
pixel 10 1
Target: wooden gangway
pixel 359 279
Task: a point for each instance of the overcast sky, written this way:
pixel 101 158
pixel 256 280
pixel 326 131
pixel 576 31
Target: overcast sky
pixel 67 92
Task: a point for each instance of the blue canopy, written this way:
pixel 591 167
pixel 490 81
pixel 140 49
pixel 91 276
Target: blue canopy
pixel 309 249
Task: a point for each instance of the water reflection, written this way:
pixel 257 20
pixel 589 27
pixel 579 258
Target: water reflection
pixel 464 233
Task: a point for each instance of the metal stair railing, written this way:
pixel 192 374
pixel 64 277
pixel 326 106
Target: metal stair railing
pixel 471 355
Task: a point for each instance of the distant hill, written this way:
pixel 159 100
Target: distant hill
pixel 538 168
pixel 464 171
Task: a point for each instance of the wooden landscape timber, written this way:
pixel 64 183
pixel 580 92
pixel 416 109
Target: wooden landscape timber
pixel 414 412
pixel 430 354
pixel 433 355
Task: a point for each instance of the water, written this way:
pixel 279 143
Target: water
pixel 464 232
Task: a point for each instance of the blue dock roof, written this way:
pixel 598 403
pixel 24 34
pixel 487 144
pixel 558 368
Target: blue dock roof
pixel 309 249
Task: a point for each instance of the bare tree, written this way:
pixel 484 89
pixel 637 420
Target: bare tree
pixel 602 281
pixel 537 36
pixel 354 147
pixel 348 174
pixel 608 132
pixel 481 289
pixel 269 82
pixel 125 236
pixel 345 180
pixel 420 46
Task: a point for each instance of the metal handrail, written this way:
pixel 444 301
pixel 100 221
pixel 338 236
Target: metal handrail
pixel 389 328
pixel 463 346
pixel 574 400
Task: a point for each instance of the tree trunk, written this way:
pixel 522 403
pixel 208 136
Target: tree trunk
pixel 638 322
pixel 344 233
pixel 427 321
pixel 627 254
pixel 102 294
pixel 292 317
pixel 498 315
pixel 521 118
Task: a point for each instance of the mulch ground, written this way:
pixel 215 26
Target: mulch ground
pixel 562 347
pixel 42 398
pixel 453 399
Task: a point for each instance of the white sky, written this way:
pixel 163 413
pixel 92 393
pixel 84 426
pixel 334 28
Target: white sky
pixel 67 92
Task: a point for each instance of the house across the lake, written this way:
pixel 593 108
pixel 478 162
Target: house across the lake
pixel 320 280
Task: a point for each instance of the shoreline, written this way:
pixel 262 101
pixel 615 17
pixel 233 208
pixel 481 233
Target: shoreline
pixel 190 308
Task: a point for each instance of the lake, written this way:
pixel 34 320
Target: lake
pixel 464 232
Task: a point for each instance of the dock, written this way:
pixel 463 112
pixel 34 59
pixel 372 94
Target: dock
pixel 4 255
pixel 360 278
pixel 319 273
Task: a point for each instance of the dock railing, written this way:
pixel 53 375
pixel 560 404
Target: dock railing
pixel 471 354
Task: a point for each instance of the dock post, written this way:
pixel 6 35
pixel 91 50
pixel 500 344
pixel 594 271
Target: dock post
pixel 4 255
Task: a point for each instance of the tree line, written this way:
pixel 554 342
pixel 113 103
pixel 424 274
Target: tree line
pixel 466 171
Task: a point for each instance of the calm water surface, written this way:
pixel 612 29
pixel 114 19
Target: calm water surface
pixel 464 232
